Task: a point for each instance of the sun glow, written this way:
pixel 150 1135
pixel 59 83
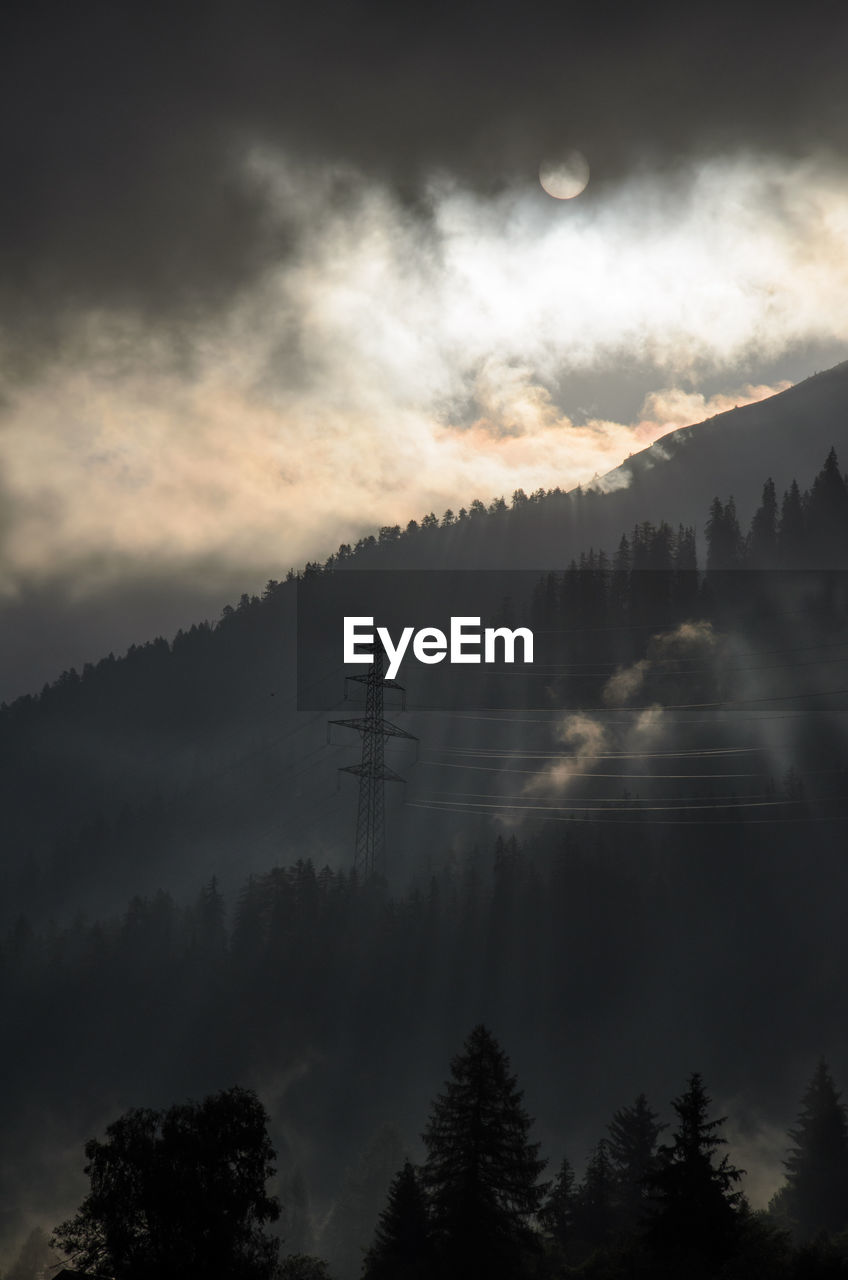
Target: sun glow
pixel 389 367
pixel 566 176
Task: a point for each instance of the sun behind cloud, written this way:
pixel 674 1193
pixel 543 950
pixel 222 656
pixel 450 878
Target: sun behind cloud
pixel 385 369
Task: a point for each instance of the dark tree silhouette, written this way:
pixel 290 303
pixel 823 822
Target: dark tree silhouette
pixel 827 514
pixel 814 1197
pixel 694 1223
pixel 210 917
pixel 791 532
pixel 179 1193
pixel 633 1136
pixel 595 1217
pixel 482 1172
pixel 402 1248
pixel 302 1266
pixel 762 538
pixel 351 1224
pixel 557 1215
pixel 724 537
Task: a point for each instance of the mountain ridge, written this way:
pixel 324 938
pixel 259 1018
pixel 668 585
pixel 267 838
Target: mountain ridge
pixel 675 479
pixel 821 395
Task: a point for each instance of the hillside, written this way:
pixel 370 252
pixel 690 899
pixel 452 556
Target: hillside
pixel 637 851
pixel 45 628
pixel 674 480
pixel 729 454
pixel 191 758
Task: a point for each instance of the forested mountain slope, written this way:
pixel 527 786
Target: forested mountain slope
pixel 635 869
pixel 187 758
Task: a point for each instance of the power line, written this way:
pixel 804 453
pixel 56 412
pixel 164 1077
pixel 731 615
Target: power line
pixel 753 653
pixel 726 704
pixel 634 822
pixel 731 798
pixel 551 670
pixel 626 808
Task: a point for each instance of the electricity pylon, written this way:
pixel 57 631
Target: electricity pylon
pixel 369 857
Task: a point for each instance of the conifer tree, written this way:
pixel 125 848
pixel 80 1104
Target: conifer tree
pixel 301 1266
pixel 661 551
pixel 791 533
pixel 815 1195
pixel 724 537
pixel 827 515
pixel 402 1248
pixel 348 1230
pixel 685 584
pixel 482 1172
pixel 762 538
pixel 734 541
pixel 620 580
pixel 557 1215
pixel 685 560
pixel 694 1222
pixel 595 1216
pixel 634 1132
pixel 210 926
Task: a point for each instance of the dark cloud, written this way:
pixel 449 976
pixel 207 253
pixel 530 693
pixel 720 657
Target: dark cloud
pixel 124 127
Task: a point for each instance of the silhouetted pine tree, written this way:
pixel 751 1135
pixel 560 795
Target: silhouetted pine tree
pixel 482 1172
pixel 685 582
pixel 402 1248
pixel 634 1132
pixel 661 554
pixel 724 537
pixel 348 1231
pixel 761 551
pixel 300 1266
pixel 595 1216
pixel 791 532
pixel 210 922
pixel 694 1221
pixel 815 1195
pixel 827 515
pixel 621 560
pixel 685 558
pixel 557 1214
pixel 619 592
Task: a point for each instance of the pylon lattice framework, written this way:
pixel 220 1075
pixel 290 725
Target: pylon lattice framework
pixel 369 857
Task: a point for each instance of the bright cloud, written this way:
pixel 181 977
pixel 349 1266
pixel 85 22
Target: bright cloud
pixel 391 365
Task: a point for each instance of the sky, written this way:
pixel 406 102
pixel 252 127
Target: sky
pixel 273 275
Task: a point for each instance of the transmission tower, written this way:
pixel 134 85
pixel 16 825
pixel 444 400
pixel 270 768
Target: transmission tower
pixel 369 857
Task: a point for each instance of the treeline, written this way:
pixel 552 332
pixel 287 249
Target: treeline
pixel 478 1205
pixel 604 606
pixel 353 998
pixel 182 1192
pixel 151 749
pixel 807 529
